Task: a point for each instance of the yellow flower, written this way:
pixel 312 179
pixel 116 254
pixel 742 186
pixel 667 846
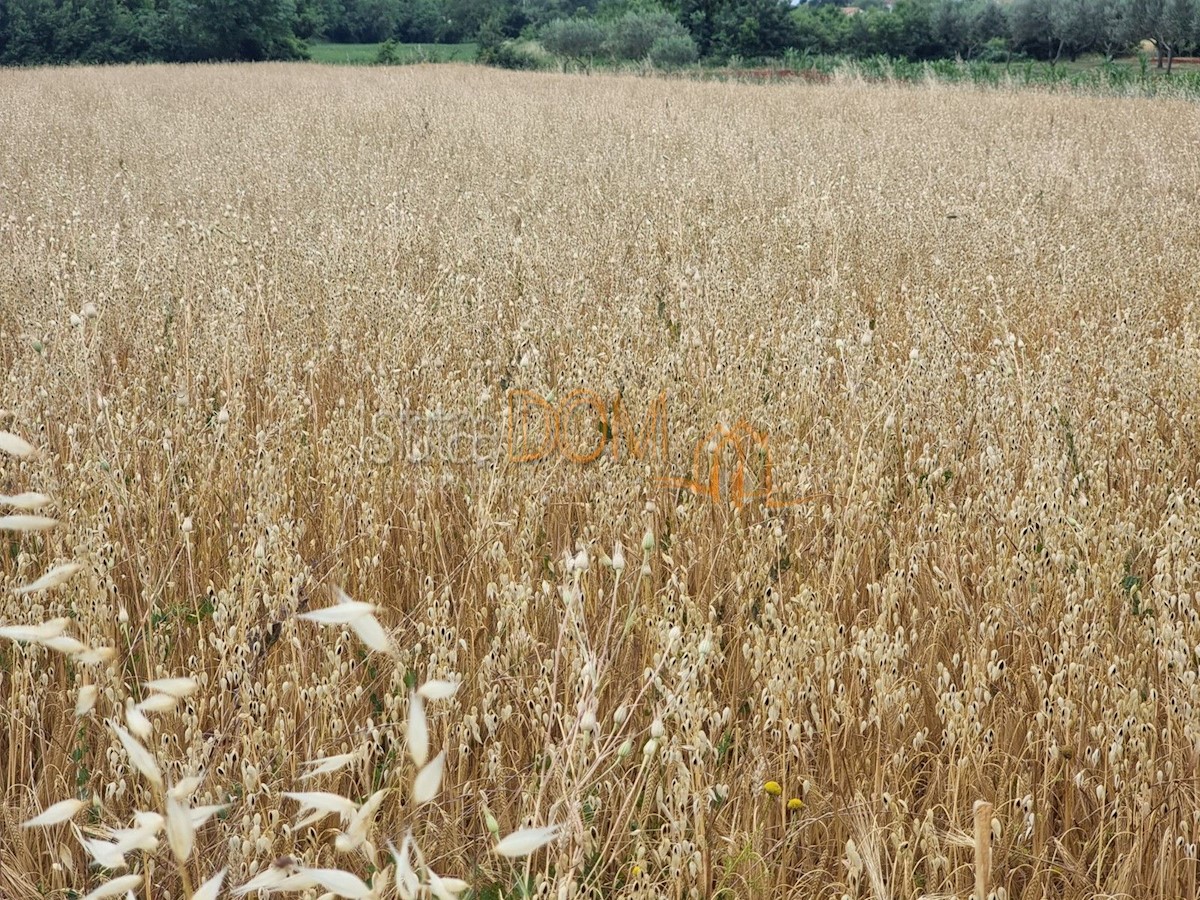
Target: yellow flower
pixel 795 804
pixel 635 871
pixel 773 788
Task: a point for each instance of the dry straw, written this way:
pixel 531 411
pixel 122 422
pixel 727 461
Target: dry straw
pixel 258 326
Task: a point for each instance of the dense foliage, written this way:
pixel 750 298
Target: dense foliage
pixel 99 31
pixel 988 29
pixel 53 31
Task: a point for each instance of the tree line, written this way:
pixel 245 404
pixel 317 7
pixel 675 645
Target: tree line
pixel 1048 30
pixel 671 31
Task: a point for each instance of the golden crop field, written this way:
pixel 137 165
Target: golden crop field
pixel 269 333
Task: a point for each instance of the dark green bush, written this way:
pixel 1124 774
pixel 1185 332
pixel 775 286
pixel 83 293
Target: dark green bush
pixel 672 51
pixel 388 54
pixel 507 55
pixel 634 34
pixel 574 38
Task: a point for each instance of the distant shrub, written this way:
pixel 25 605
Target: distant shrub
pixel 574 38
pixel 388 54
pixel 290 47
pixel 673 51
pixel 996 50
pixel 509 55
pixel 634 34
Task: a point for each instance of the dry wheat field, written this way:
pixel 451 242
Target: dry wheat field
pixel 304 594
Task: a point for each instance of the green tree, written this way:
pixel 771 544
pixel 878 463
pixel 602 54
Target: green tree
pixel 421 21
pixel 540 13
pixel 101 31
pixel 1170 24
pixel 963 27
pixel 1180 30
pixel 747 28
pixel 371 21
pixel 177 36
pixel 821 29
pixel 988 23
pixel 633 34
pixel 1077 25
pixel 578 39
pixel 1032 31
pixel 1116 31
pixel 110 31
pixel 319 18
pixel 31 31
pixel 758 28
pixel 917 16
pixel 463 19
pixel 912 29
pixel 247 29
pixel 674 50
